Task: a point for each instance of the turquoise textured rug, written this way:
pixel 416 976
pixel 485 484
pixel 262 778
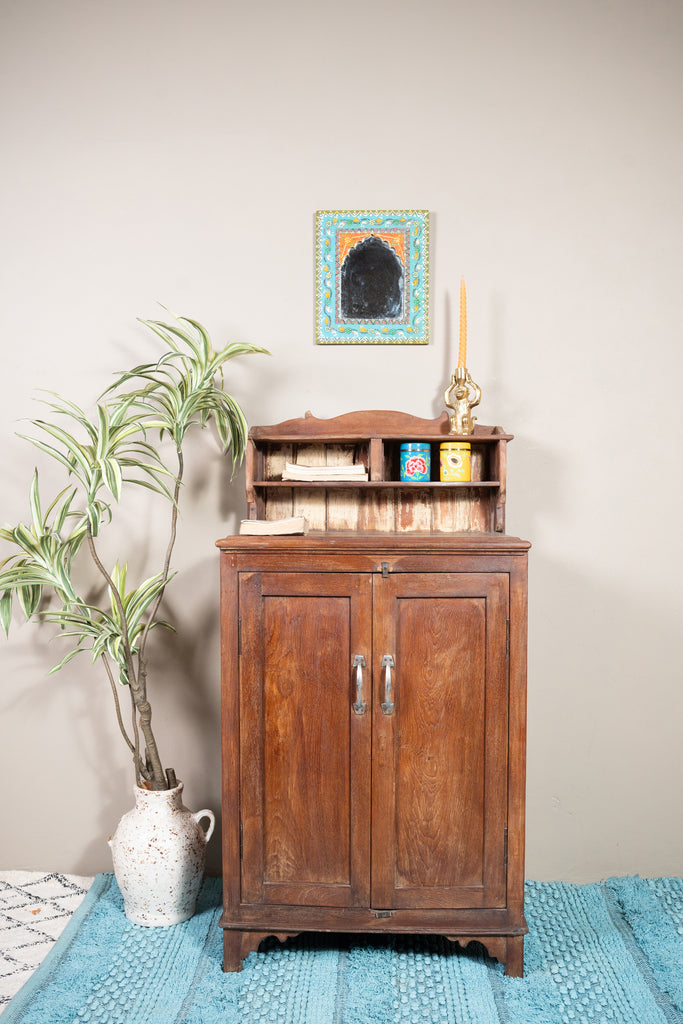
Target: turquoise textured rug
pixel 609 952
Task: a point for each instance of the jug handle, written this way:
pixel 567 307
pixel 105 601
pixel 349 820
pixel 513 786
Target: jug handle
pixel 212 822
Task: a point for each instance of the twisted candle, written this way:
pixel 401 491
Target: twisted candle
pixel 462 350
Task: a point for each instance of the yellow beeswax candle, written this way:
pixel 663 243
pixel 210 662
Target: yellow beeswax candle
pixel 462 350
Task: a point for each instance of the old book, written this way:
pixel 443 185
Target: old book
pixel 270 527
pixel 297 471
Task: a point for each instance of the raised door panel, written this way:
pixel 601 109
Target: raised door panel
pixel 440 766
pixel 305 753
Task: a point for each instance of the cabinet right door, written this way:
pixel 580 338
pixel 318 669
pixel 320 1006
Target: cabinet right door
pixel 439 784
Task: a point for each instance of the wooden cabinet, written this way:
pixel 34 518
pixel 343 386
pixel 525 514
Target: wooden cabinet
pixel 373 688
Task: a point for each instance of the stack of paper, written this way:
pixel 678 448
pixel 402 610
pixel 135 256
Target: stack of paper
pixel 295 524
pixel 295 471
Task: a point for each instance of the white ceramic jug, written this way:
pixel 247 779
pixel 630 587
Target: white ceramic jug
pixel 158 851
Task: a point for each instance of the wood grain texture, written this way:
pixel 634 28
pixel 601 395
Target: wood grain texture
pixel 306 807
pixel 310 502
pixel 230 715
pixel 343 504
pixel 412 510
pixel 303 817
pixel 376 511
pixel 439 785
pixel 277 504
pixel 440 748
pixel 374 822
pixel 368 423
pixel 373 438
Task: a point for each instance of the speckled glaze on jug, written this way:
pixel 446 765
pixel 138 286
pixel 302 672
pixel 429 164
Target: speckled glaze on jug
pixel 159 852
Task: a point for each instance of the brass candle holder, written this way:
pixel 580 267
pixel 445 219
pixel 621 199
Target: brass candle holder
pixel 462 395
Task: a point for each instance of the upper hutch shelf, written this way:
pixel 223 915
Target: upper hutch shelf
pixel 382 502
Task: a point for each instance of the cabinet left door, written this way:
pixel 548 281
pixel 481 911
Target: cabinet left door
pixel 304 750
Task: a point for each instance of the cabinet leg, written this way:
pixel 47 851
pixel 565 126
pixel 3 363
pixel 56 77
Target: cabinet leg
pixel 514 957
pixel 506 949
pixel 239 944
pixel 232 950
pixel 510 950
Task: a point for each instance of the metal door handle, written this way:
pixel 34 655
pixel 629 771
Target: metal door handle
pixel 360 706
pixel 387 703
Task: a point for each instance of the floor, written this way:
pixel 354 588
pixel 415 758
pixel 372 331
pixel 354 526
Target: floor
pixel 35 907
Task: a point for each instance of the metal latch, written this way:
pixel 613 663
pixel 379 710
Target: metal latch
pixel 385 569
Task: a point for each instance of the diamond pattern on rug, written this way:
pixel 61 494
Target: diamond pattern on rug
pixel 34 910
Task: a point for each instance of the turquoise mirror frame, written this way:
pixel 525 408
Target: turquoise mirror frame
pixel 372 277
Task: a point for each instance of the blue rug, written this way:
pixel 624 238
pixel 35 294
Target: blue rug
pixel 609 952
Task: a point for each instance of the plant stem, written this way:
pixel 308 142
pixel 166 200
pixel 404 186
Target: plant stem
pixel 142 665
pixel 140 702
pixel 134 747
pixel 140 771
pixel 119 719
pixel 130 665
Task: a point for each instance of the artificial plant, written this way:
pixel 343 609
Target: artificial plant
pixel 126 443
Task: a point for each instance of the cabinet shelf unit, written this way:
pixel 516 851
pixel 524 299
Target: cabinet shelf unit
pixel 383 502
pixel 373 693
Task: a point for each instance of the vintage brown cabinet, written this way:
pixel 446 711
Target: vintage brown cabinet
pixel 374 696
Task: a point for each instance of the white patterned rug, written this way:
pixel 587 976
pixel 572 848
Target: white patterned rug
pixel 35 907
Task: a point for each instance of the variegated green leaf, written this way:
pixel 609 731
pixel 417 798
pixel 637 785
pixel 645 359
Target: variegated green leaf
pixel 64 513
pixel 6 610
pixel 78 452
pixel 100 646
pixel 145 595
pixel 119 412
pixel 35 502
pixel 26 540
pixel 24 575
pixel 169 330
pixel 158 488
pixel 118 575
pixel 67 658
pixel 111 472
pixel 207 348
pixel 237 349
pixel 29 598
pixel 159 329
pixel 103 433
pixel 63 510
pixel 54 453
pixel 94 518
pixel 68 408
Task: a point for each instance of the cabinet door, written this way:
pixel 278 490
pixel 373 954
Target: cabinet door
pixel 440 756
pixel 304 751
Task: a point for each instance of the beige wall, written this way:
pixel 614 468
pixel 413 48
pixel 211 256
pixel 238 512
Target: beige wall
pixel 176 152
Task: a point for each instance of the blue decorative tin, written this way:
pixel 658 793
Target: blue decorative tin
pixel 415 462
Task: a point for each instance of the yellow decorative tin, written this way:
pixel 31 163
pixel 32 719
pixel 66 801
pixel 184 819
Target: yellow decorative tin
pixel 455 462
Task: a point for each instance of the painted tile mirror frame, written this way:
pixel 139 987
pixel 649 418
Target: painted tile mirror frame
pixel 372 277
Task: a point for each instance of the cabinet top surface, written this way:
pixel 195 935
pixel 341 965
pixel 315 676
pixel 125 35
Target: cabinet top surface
pixel 378 542
pixel 370 423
